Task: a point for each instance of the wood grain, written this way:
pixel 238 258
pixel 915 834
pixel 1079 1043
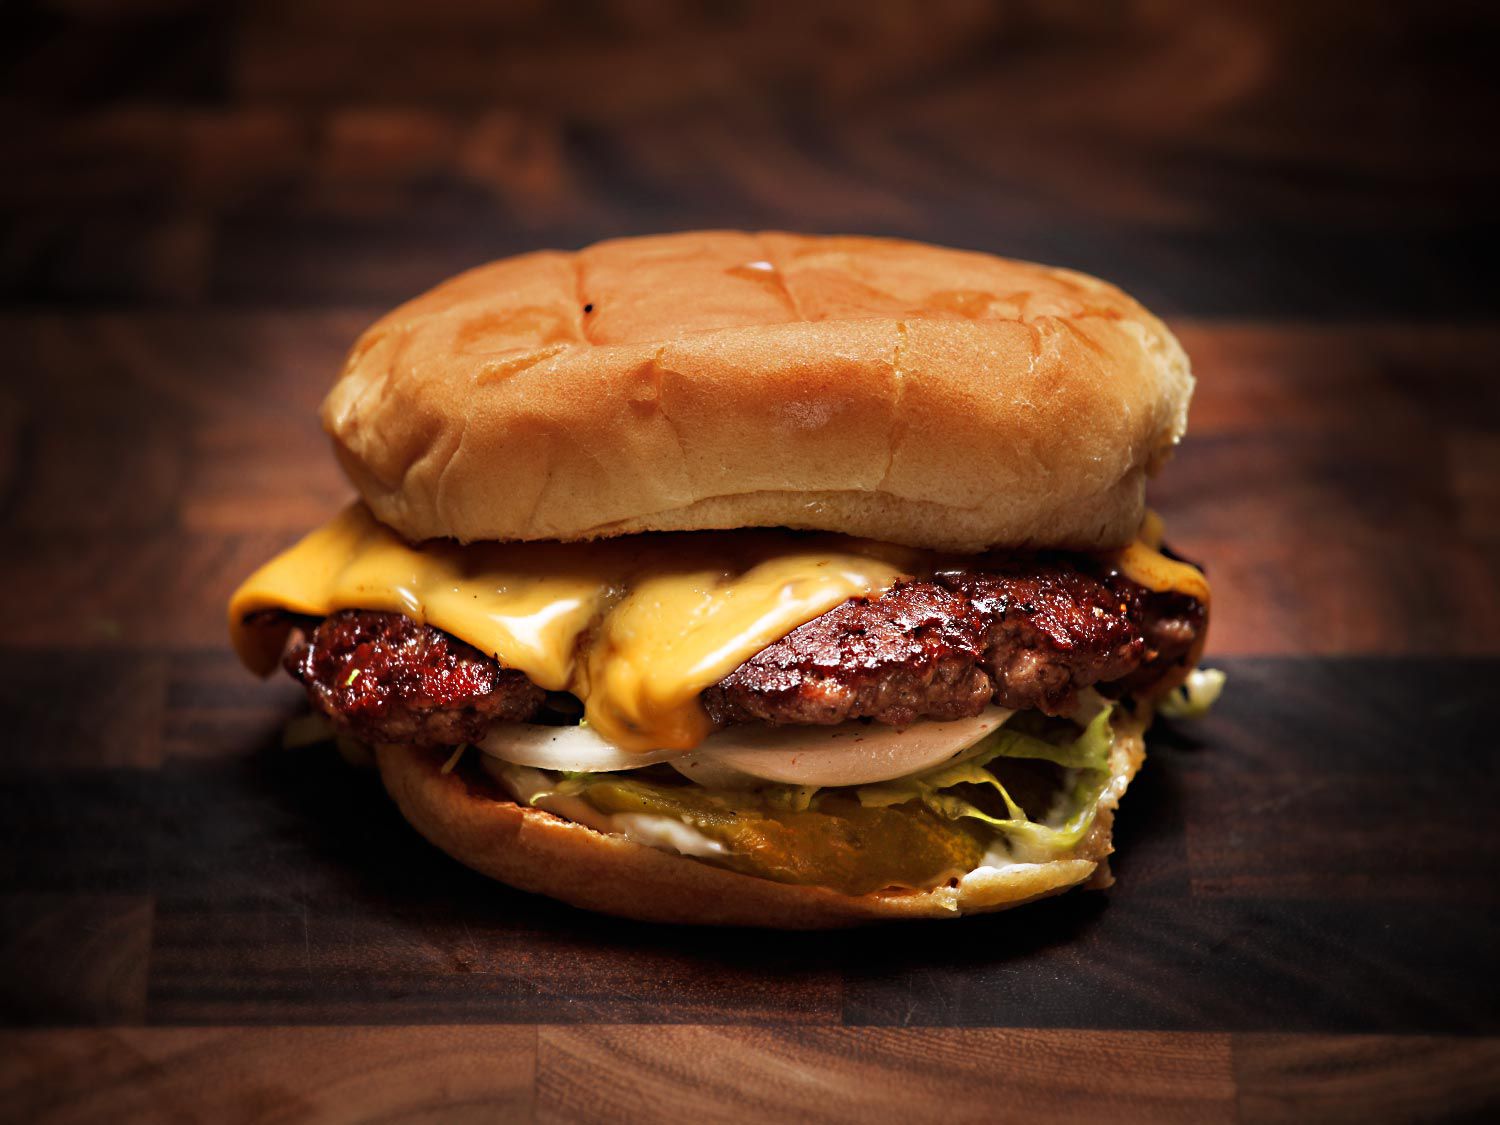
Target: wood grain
pixel 653 1073
pixel 235 1075
pixel 1366 1078
pixel 74 958
pixel 203 205
pixel 658 1074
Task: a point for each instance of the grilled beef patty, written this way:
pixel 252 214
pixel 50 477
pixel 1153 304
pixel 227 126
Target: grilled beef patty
pixel 1026 633
pixel 385 678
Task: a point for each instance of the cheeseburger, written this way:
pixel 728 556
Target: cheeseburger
pixel 751 579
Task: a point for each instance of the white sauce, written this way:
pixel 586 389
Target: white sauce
pixel 661 832
pixel 667 834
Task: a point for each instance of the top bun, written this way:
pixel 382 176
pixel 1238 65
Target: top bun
pixel 717 379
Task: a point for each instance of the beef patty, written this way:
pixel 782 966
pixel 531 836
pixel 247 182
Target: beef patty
pixel 1027 633
pixel 385 678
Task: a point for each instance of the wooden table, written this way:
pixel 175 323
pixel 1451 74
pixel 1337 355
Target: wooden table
pixel 204 203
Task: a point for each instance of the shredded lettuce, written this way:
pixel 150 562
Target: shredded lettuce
pixel 1086 759
pixel 1194 696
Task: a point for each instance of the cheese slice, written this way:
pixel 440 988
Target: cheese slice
pixel 635 627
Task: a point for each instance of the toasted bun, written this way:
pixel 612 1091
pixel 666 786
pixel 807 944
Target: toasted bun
pixel 537 851
pixel 719 379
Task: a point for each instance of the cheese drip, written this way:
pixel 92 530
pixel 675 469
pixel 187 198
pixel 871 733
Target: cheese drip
pixel 1146 566
pixel 635 627
pixel 1143 563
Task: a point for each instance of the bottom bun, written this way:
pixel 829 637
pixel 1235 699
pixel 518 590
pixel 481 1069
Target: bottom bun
pixel 537 851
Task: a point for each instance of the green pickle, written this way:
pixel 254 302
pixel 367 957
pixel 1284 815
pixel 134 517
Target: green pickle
pixel 839 843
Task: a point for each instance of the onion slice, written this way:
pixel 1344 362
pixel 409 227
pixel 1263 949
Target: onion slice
pixel 847 754
pixel 565 749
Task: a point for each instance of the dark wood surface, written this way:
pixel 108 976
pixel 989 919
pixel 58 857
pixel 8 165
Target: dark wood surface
pixel 204 203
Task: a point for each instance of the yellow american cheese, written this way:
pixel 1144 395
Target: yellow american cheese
pixel 1143 563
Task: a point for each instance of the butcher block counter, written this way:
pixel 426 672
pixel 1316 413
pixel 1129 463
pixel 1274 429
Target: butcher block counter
pixel 205 204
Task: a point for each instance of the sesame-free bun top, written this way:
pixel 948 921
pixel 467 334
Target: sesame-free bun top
pixel 719 379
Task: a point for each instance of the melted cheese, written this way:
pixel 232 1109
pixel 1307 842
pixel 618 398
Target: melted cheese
pixel 635 627
pixel 1143 563
pixel 1148 567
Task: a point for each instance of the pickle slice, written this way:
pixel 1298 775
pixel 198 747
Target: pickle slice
pixel 839 844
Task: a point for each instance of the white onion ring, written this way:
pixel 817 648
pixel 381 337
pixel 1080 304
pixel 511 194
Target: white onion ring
pixel 565 749
pixel 847 754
